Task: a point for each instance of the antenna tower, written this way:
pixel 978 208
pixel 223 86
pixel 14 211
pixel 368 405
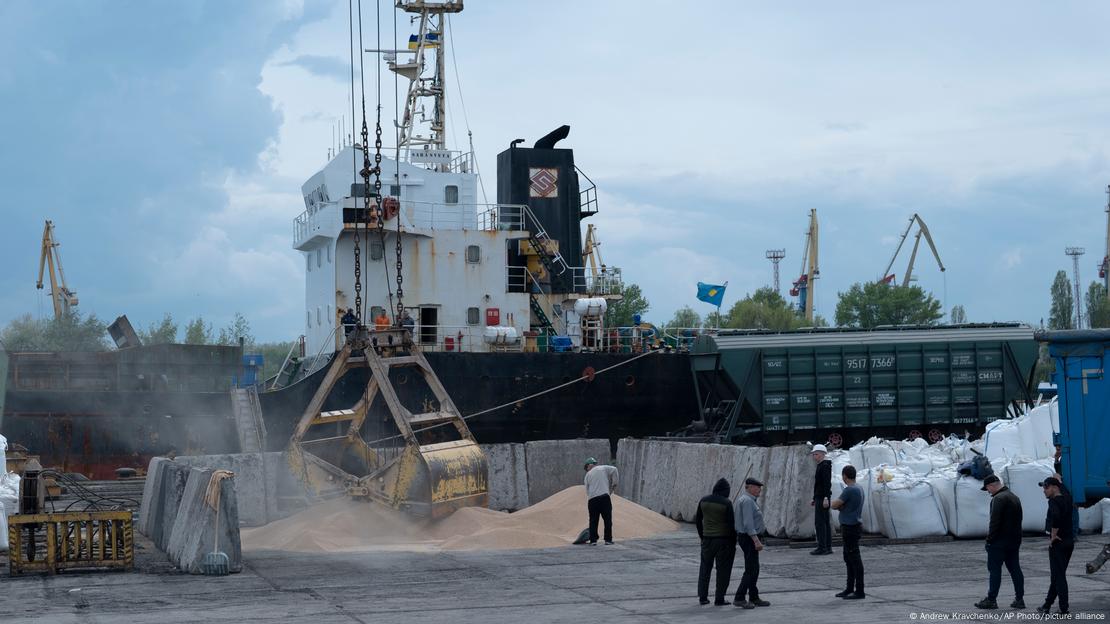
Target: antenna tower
pixel 776 256
pixel 1075 253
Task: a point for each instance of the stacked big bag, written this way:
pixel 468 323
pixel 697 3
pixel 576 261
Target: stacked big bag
pixel 913 489
pixel 9 494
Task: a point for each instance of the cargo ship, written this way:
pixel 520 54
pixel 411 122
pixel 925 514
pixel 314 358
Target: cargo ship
pixel 507 299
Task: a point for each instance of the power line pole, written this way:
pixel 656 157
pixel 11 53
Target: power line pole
pixel 776 256
pixel 1075 253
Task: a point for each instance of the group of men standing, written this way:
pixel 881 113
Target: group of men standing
pixel 724 524
pixel 1003 543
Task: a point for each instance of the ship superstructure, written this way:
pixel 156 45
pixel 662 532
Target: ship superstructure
pixel 477 276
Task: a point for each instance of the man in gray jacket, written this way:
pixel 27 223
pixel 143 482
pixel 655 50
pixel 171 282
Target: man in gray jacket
pixel 749 524
pixel 600 482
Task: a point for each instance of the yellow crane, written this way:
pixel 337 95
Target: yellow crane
pixel 591 251
pixel 805 284
pixel 922 230
pixel 62 297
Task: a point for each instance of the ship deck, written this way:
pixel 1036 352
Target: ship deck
pixel 649 580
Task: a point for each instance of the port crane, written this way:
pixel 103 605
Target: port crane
pixel 63 298
pixel 922 231
pixel 1104 268
pixel 804 286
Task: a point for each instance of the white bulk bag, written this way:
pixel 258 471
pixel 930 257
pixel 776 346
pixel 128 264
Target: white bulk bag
pixel 872 453
pixel 907 508
pixel 1003 441
pixel 1038 431
pixel 1022 478
pixel 1090 518
pixel 966 506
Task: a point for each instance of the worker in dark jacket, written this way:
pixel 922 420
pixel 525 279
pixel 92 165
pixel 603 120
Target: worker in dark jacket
pixel 716 529
pixel 822 491
pixel 1059 525
pixel 1003 544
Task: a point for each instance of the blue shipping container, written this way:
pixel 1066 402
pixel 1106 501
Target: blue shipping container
pixel 1084 396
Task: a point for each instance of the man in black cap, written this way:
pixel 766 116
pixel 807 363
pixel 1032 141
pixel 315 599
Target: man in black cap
pixel 1059 524
pixel 1003 544
pixel 716 528
pixel 749 524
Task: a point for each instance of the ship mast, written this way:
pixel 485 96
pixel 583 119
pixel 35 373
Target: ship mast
pixel 427 77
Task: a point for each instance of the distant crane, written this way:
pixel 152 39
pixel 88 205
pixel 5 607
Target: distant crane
pixel 776 256
pixel 60 294
pixel 1075 253
pixel 922 230
pixel 804 286
pixel 1104 268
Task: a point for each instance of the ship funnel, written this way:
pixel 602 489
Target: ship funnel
pixel 549 140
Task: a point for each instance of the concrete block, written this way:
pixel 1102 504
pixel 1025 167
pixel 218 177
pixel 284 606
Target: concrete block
pixel 195 529
pixel 172 488
pixel 789 488
pixel 508 476
pixel 659 476
pixel 256 478
pixel 554 465
pixel 149 506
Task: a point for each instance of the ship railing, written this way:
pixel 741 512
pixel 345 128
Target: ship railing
pixel 606 281
pixel 316 219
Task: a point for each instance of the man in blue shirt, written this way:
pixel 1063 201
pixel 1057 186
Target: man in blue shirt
pixel 850 505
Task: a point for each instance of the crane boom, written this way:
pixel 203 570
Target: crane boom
pixel 922 231
pixel 50 259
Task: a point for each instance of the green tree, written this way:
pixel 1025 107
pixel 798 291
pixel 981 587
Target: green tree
pixel 685 317
pixel 1063 304
pixel 958 316
pixel 631 303
pixel 197 332
pixel 161 333
pixel 72 332
pixel 238 328
pixel 1098 308
pixel 875 303
pixel 764 309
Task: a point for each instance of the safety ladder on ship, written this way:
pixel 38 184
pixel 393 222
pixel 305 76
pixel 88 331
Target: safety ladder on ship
pixel 546 249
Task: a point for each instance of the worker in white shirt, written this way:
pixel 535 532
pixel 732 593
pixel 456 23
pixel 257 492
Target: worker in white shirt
pixel 600 481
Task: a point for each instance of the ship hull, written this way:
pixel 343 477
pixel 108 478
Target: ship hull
pixel 92 425
pixel 637 397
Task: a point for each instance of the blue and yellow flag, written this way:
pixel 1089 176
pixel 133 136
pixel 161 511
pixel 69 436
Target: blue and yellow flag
pixel 712 293
pixel 431 40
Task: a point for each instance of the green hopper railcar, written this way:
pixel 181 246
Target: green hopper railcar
pixel 845 385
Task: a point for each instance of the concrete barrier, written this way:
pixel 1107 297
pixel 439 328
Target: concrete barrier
pixel 147 509
pixel 554 465
pixel 508 476
pixel 256 475
pixel 195 527
pixel 671 477
pixel 170 489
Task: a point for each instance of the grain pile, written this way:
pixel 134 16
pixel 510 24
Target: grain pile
pixel 343 525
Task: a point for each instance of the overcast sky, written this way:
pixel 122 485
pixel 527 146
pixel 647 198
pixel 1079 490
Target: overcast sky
pixel 168 141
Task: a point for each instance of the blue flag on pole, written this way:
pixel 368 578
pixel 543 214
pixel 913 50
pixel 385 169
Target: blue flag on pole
pixel 711 293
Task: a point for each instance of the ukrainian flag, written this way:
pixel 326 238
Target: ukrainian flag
pixel 712 293
pixel 431 40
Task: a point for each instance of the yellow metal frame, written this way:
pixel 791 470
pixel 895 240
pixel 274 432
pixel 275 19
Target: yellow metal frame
pixel 53 542
pixel 425 478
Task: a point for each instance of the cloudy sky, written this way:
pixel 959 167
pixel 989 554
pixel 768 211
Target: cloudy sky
pixel 168 141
